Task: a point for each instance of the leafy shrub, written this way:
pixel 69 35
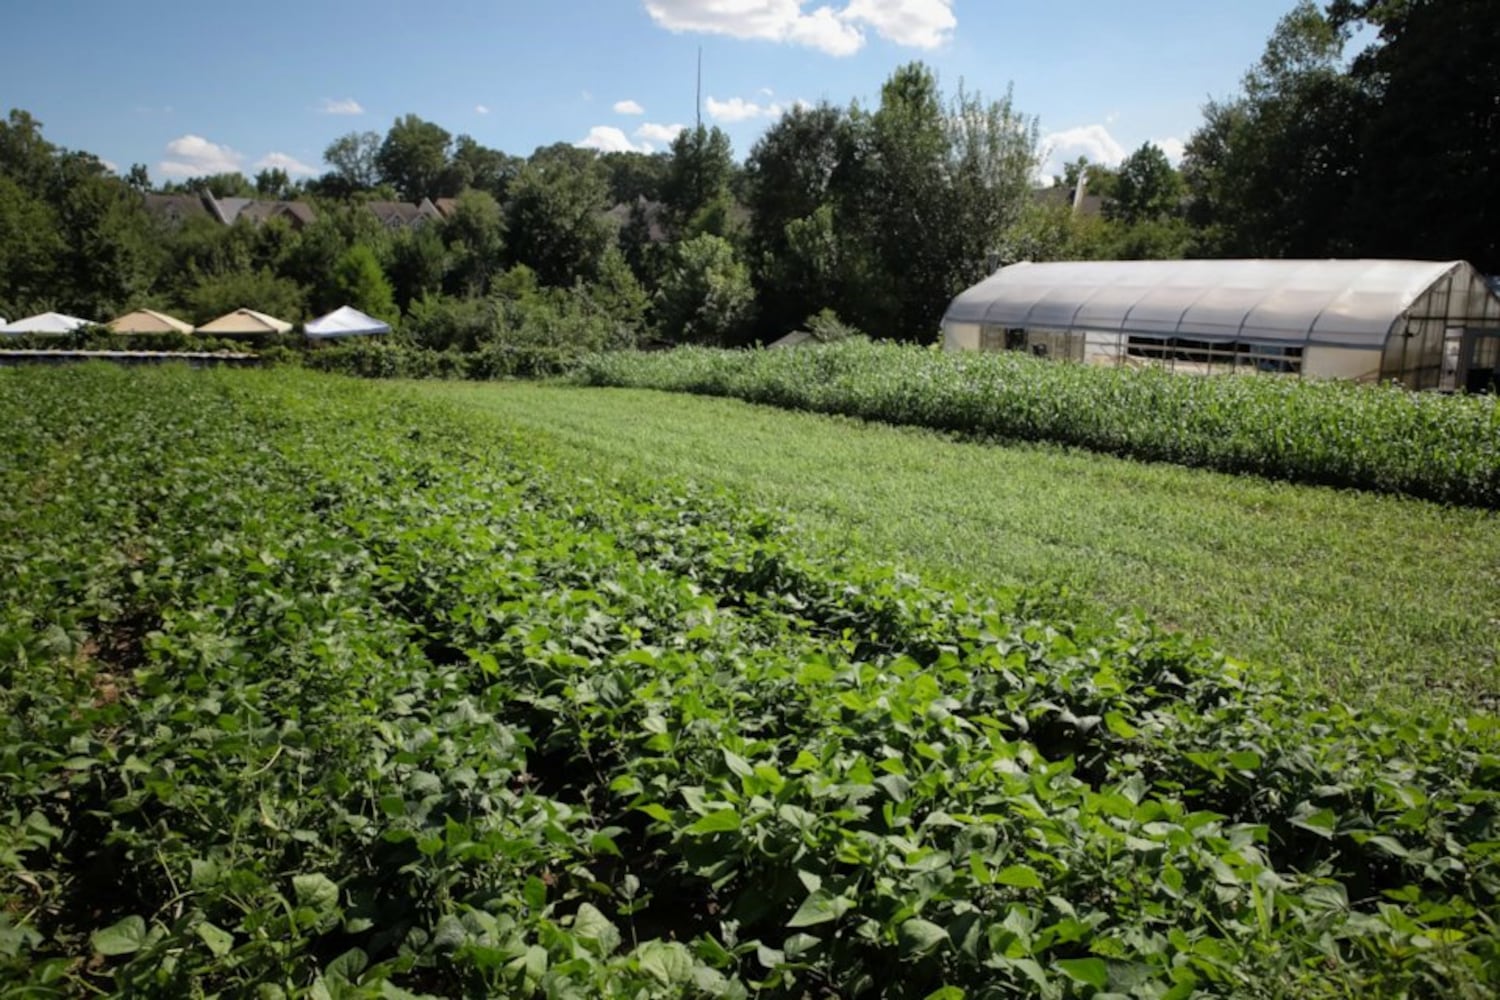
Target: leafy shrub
pixel 1372 437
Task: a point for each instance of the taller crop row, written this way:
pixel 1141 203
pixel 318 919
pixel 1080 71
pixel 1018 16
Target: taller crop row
pixel 315 687
pixel 1371 437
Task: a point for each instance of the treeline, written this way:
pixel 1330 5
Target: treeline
pixel 879 214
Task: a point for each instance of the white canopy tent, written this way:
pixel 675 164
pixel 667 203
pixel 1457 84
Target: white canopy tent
pixel 46 323
pixel 345 321
pixel 1427 323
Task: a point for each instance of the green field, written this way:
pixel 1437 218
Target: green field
pixel 1372 598
pixel 327 688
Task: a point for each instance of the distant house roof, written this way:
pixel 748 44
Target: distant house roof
pixel 345 321
pixel 181 207
pixel 620 213
pixel 796 338
pixel 230 210
pixel 404 214
pixel 149 321
pixel 298 213
pixel 445 206
pixel 178 208
pixel 244 321
pixel 46 323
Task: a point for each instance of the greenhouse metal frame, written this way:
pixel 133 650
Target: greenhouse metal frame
pixel 1425 324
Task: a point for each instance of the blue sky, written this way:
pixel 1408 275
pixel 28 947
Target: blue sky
pixel 194 87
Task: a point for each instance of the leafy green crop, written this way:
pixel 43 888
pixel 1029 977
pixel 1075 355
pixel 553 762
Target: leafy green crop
pixel 309 687
pixel 1372 437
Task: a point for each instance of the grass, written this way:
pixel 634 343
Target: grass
pixel 1365 597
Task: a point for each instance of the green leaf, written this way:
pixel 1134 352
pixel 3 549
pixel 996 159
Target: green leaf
pixel 348 966
pixel 1245 760
pixel 722 821
pixel 219 941
pixel 1323 822
pixel 534 892
pixel 656 811
pixel 1019 876
pixel 125 937
pixel 1117 725
pixel 1090 971
pixel 820 907
pixel 668 962
pixel 946 993
pixel 317 892
pixel 592 926
pixel 738 764
pixel 919 937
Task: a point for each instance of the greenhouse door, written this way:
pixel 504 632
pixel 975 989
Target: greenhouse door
pixel 1482 360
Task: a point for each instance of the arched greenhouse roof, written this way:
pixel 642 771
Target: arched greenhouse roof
pixel 1343 303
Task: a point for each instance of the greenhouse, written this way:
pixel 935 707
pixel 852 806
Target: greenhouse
pixel 1429 325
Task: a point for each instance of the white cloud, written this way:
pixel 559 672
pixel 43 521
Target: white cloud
pixel 1091 141
pixel 281 161
pixel 348 106
pixel 823 30
pixel 628 108
pixel 923 24
pixel 608 139
pixel 110 165
pixel 653 132
pixel 737 109
pixel 480 109
pixel 1173 147
pixel 920 24
pixel 193 156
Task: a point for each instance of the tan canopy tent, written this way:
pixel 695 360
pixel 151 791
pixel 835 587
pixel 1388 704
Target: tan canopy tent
pixel 244 322
pixel 148 321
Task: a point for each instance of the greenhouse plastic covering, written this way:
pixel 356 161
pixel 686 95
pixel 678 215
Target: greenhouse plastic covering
pixel 1344 303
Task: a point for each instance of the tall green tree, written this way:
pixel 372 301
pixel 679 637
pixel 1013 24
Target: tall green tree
pixel 1271 172
pixel 1146 187
pixel 555 217
pixel 416 265
pixel 474 165
pixel 1430 132
pixel 696 188
pixel 636 175
pixel 792 193
pixel 475 236
pixel 353 157
pixel 360 283
pixel 273 183
pixel 706 296
pixel 413 157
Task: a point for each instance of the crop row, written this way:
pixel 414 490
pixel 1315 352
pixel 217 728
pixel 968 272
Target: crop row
pixel 310 685
pixel 1371 437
